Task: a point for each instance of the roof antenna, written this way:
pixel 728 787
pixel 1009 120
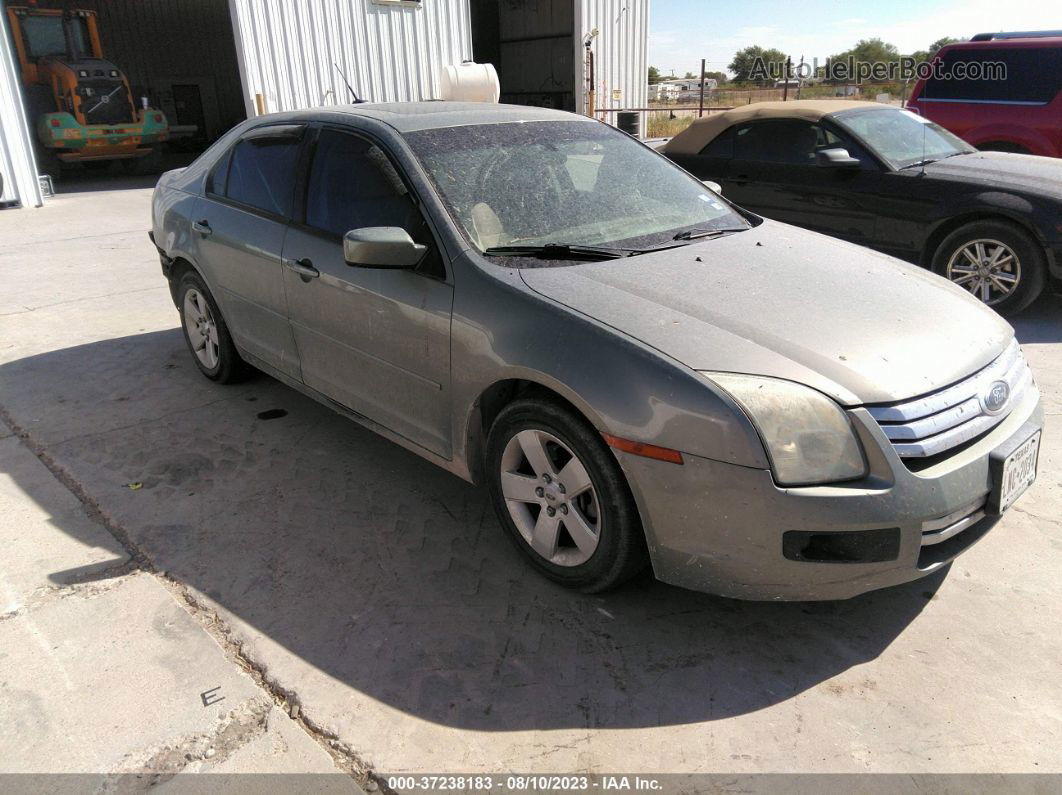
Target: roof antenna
pixel 355 97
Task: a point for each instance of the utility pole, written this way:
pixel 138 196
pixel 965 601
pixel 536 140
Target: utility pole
pixel 800 76
pixel 785 78
pixel 700 109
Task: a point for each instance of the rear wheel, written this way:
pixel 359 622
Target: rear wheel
pixel 562 497
pixel 997 262
pixel 206 333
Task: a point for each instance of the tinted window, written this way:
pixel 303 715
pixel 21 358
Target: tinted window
pixel 353 184
pixel 721 146
pixel 789 141
pixel 219 175
pixel 262 174
pixel 43 35
pixel 1031 75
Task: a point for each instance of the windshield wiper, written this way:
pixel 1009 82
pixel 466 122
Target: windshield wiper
pixel 558 251
pixel 697 234
pixel 929 160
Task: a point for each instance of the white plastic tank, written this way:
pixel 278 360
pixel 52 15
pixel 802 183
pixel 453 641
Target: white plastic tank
pixel 470 82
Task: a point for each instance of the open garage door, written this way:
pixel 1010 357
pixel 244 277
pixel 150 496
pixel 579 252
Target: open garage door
pixel 90 68
pixel 532 48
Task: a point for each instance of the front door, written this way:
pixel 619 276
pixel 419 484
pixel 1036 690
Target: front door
pixel 374 340
pixel 774 172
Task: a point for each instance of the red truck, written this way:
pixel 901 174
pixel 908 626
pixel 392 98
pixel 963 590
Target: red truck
pixel 1016 109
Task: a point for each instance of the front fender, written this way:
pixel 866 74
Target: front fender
pixel 502 331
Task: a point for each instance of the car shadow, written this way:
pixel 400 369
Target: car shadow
pixel 392 576
pixel 1042 321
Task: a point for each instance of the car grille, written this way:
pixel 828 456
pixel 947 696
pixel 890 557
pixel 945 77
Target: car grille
pixel 938 422
pixel 109 103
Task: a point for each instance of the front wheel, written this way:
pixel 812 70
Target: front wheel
pixel 560 494
pixel 997 262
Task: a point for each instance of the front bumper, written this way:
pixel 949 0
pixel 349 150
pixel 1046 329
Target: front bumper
pixel 720 528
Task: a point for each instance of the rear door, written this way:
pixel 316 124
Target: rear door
pixel 374 340
pixel 240 225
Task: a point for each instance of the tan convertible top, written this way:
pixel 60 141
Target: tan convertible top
pixel 695 137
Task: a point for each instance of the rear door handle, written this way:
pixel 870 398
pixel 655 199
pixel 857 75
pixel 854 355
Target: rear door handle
pixel 303 267
pixel 202 227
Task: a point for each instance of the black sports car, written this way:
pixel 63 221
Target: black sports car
pixel 889 179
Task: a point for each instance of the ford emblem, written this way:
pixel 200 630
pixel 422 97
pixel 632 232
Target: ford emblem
pixel 996 397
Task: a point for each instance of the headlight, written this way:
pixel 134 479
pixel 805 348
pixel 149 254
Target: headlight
pixel 808 437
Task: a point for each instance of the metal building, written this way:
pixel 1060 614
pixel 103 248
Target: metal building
pixel 209 63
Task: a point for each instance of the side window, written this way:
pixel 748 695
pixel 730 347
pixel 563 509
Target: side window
pixel 262 174
pixel 787 141
pixel 219 175
pixel 720 146
pixel 353 184
pixel 1032 74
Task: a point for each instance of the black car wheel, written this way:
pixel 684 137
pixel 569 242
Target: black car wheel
pixel 996 261
pixel 560 494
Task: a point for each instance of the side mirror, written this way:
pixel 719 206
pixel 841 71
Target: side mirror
pixel 381 247
pixel 836 158
pixel 713 186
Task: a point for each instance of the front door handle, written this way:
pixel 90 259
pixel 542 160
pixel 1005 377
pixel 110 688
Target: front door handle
pixel 741 179
pixel 303 267
pixel 202 227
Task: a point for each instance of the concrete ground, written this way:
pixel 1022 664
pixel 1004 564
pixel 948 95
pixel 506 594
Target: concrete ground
pixel 162 539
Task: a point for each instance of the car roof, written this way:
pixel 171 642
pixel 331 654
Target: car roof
pixel 695 137
pixel 412 116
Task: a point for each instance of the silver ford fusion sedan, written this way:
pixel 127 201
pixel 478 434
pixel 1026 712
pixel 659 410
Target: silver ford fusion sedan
pixel 640 372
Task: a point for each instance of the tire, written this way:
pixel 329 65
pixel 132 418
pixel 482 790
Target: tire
pixel 1021 264
pixel 596 498
pixel 206 334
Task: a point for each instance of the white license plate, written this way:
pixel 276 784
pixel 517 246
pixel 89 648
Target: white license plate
pixel 1019 471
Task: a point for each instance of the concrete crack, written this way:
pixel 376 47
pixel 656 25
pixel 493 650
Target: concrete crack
pixel 343 756
pixel 156 764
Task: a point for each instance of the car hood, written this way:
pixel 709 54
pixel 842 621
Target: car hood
pixel 780 301
pixel 1041 175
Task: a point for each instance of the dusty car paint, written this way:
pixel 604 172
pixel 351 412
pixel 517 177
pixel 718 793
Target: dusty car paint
pixel 623 341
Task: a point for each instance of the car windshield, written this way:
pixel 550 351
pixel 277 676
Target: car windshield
pixel 565 183
pixel 902 138
pixel 44 35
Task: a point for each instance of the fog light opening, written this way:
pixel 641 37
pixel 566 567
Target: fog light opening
pixel 861 546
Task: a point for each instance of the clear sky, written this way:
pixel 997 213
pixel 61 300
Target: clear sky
pixel 684 31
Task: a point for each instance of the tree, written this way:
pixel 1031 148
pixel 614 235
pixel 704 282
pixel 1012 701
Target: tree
pixel 866 51
pixel 654 75
pixel 719 77
pixel 870 51
pixel 748 63
pixel 924 55
pixel 689 76
pixel 940 43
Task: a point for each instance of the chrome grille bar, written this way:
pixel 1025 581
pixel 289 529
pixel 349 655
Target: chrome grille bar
pixel 935 423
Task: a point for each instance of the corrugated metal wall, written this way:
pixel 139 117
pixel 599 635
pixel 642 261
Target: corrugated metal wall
pixel 17 163
pixel 390 52
pixel 621 52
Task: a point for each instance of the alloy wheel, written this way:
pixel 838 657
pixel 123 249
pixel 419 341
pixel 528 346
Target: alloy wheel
pixel 550 497
pixel 988 268
pixel 201 329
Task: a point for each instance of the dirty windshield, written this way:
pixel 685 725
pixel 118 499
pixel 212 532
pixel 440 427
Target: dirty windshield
pixel 565 183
